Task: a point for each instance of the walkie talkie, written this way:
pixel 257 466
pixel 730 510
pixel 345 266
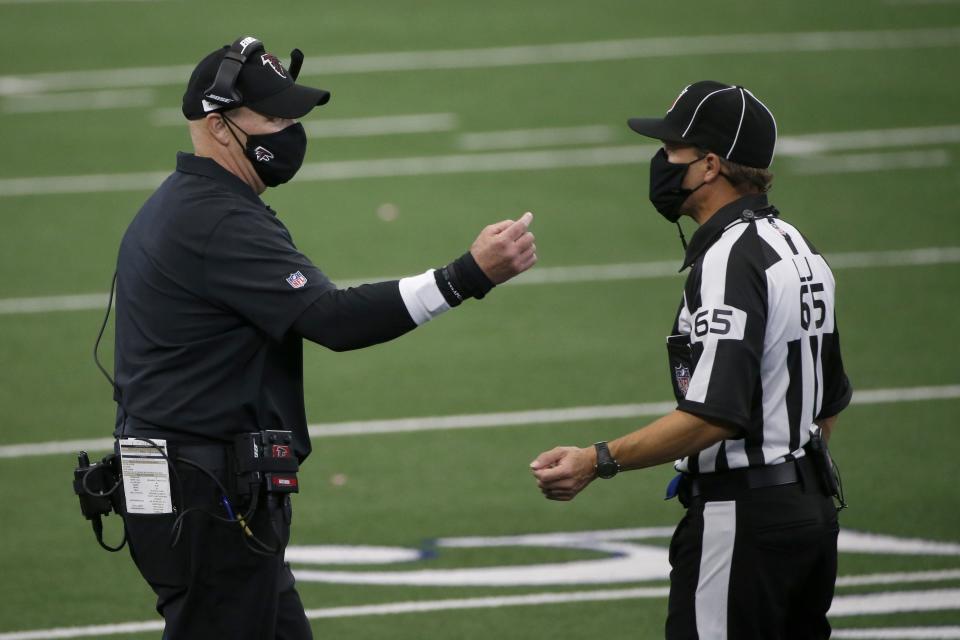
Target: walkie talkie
pixel 827 472
pixel 96 485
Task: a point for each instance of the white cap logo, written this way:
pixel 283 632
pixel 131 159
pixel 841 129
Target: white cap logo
pixel 677 99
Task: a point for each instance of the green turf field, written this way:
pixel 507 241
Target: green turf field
pixel 882 205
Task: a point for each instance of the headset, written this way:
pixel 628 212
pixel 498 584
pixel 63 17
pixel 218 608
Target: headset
pixel 224 91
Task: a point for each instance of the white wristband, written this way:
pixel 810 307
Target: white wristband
pixel 422 297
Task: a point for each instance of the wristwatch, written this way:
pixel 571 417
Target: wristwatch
pixel 607 467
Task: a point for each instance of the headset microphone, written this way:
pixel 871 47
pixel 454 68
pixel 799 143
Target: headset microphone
pixel 296 61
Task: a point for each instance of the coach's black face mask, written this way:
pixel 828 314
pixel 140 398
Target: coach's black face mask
pixel 276 157
pixel 666 178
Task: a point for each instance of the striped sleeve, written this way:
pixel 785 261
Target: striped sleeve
pixel 837 390
pixel 727 333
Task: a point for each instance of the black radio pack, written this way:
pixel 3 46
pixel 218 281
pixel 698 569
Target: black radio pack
pixel 827 471
pixel 97 485
pixel 267 458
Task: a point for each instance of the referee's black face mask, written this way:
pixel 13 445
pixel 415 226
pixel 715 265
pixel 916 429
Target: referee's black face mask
pixel 666 179
pixel 276 157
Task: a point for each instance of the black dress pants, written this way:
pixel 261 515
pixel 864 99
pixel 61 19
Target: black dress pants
pixel 210 585
pixel 758 565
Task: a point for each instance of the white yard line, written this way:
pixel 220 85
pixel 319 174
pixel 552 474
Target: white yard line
pixel 66 1
pixel 868 139
pixel 348 127
pixel 870 162
pixel 79 101
pixel 801 145
pixel 884 603
pixel 527 138
pixel 542 275
pixel 569 52
pixel 868 604
pixel 920 2
pixel 489 420
pixel 898 633
pixel 902 577
pixel 353 169
pixel 80 302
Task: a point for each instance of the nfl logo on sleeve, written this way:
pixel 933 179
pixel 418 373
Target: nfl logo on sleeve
pixel 296 280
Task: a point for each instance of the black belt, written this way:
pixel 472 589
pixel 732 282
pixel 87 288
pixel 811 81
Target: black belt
pixel 209 455
pixel 213 455
pixel 728 484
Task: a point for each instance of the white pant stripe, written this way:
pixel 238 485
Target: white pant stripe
pixel 719 530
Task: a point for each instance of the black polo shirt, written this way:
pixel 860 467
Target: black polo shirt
pixel 209 283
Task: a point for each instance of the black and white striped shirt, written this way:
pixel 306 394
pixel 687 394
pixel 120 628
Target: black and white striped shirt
pixel 758 308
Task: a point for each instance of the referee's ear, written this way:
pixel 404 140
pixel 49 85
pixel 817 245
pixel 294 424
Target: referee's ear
pixel 711 168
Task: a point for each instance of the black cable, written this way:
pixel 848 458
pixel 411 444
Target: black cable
pixel 97 494
pixel 176 530
pixel 103 327
pixel 840 496
pixel 98 533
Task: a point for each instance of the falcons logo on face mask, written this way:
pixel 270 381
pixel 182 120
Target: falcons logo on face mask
pixel 268 59
pixel 263 155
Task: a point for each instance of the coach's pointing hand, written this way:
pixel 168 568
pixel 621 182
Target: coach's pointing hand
pixel 505 249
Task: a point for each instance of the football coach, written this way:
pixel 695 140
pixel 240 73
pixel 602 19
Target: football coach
pixel 213 303
pixel 755 364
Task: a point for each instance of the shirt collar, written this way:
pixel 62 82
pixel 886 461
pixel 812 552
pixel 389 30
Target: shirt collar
pixel 209 168
pixel 746 208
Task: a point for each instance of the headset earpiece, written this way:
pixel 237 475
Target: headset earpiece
pixel 223 91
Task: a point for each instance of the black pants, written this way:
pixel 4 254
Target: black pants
pixel 758 565
pixel 210 585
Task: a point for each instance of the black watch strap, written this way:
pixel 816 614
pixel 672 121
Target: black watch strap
pixel 607 467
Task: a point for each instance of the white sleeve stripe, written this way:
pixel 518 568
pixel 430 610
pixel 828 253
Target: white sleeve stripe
pixel 713 279
pixel 422 297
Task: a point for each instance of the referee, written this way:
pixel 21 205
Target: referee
pixel 755 364
pixel 213 303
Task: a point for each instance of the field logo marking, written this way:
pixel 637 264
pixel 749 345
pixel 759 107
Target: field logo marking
pixel 626 559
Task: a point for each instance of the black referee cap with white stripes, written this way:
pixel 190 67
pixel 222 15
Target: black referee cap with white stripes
pixel 725 119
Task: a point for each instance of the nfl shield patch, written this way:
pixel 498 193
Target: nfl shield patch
pixel 296 280
pixel 682 376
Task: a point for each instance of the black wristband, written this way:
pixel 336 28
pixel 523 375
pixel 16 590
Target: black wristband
pixel 461 279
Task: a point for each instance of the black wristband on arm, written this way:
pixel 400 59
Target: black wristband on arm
pixel 461 279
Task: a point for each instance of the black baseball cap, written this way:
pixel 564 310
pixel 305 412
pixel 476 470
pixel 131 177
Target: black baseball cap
pixel 263 85
pixel 725 119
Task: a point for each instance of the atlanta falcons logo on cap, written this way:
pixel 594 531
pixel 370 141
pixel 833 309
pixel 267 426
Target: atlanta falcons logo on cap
pixel 274 63
pixel 263 155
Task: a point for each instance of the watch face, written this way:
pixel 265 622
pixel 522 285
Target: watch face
pixel 607 469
